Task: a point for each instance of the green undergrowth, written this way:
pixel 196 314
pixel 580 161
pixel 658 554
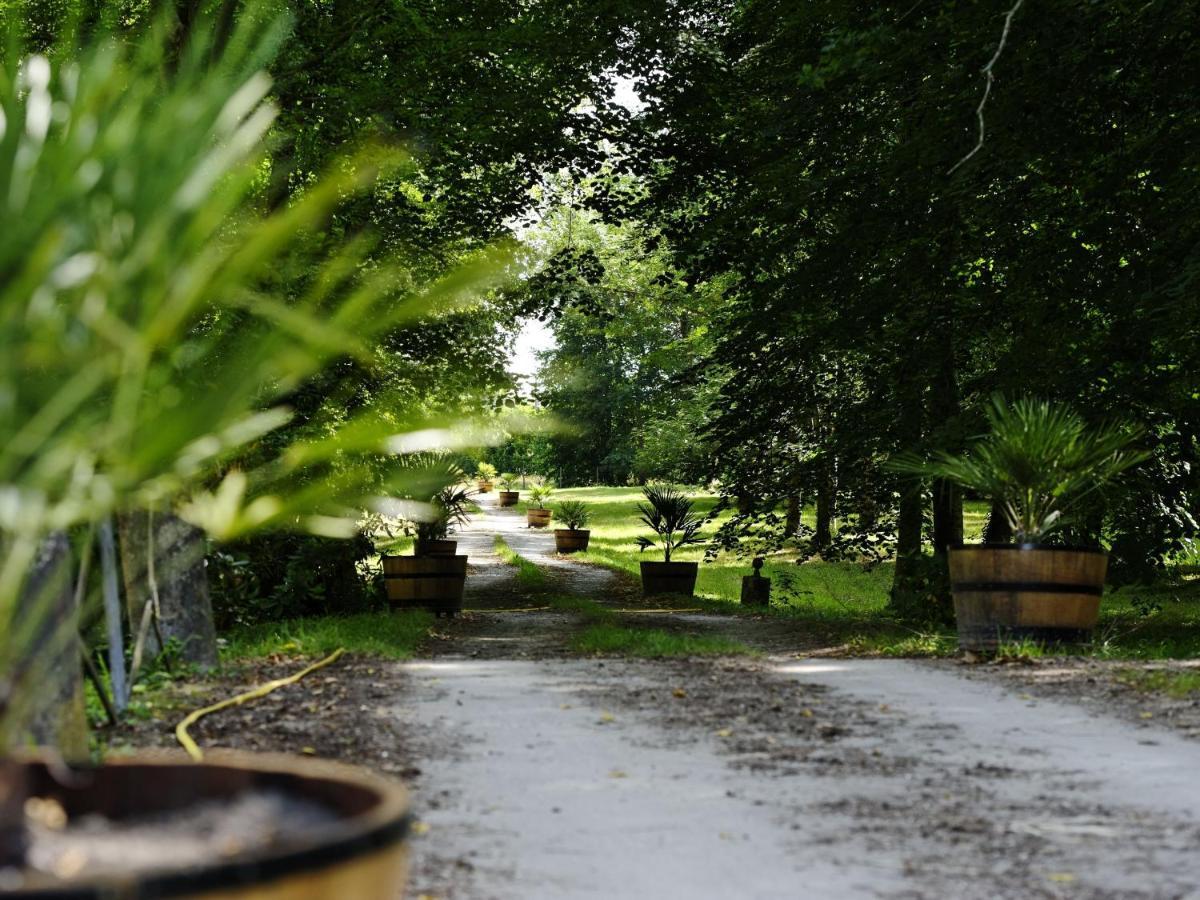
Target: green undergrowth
pixel 653 643
pixel 392 635
pixel 530 575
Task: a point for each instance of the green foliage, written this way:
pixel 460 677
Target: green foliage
pixel 485 471
pixel 1039 460
pixel 448 512
pixel 284 575
pixel 508 481
pixel 668 513
pixel 539 494
pixel 573 514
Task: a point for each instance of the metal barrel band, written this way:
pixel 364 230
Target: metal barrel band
pixel 1032 587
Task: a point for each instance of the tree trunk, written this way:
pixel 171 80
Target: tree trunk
pixel 997 530
pixel 947 515
pixel 50 674
pixel 823 535
pixel 173 565
pixel 791 521
pixel 910 520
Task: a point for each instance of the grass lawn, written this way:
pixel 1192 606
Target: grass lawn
pixel 392 635
pixel 848 602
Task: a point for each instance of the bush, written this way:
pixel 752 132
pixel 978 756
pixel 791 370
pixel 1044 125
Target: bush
pixel 287 576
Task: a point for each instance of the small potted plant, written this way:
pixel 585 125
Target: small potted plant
pixel 668 512
pixel 574 538
pixel 434 577
pixel 508 495
pixel 1038 461
pixel 538 515
pixel 484 473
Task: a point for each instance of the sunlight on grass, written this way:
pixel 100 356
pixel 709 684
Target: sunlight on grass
pixel 1175 684
pixel 393 635
pixel 653 643
pixel 529 574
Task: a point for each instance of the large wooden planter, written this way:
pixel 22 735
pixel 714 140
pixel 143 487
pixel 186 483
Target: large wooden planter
pixel 669 578
pixel 434 548
pixel 435 583
pixel 571 540
pixel 509 498
pixel 1004 591
pixel 537 518
pixel 360 853
pixel 485 487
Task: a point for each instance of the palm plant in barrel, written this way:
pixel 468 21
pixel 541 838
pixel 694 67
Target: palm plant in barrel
pixel 669 513
pixel 537 515
pixel 509 495
pixel 149 351
pixel 574 537
pixel 1037 463
pixel 485 473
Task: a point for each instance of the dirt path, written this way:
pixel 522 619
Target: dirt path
pixel 540 775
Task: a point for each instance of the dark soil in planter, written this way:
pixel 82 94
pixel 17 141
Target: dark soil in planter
pixel 207 832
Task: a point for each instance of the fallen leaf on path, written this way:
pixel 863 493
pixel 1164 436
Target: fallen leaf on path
pixel 1147 715
pixel 679 692
pixel 566 706
pixel 420 828
pixel 617 773
pixel 725 732
pixel 607 717
pixel 309 751
pixel 1061 877
pixel 807 713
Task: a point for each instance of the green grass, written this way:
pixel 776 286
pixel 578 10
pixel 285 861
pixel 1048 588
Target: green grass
pixel 653 643
pixel 393 635
pixel 529 574
pixel 581 606
pixel 1175 684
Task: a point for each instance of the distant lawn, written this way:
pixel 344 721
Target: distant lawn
pixel 847 602
pixel 393 635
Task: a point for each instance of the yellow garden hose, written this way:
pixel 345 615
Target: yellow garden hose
pixel 181 730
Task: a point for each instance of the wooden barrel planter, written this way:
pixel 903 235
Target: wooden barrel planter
pixel 1005 591
pixel 434 583
pixel 434 548
pixel 509 498
pixel 571 540
pixel 669 578
pixel 485 487
pixel 354 845
pixel 537 518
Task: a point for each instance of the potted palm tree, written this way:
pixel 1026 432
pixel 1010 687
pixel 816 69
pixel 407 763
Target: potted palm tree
pixel 668 513
pixel 508 495
pixel 484 473
pixel 537 515
pixel 161 356
pixel 1038 461
pixel 574 537
pixel 434 577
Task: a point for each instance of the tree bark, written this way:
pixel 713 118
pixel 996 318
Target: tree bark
pixel 50 675
pixel 947 515
pixel 175 558
pixel 997 530
pixel 910 521
pixel 791 520
pixel 823 535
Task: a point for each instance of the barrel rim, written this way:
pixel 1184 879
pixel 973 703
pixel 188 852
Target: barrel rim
pixel 1044 548
pixel 384 825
